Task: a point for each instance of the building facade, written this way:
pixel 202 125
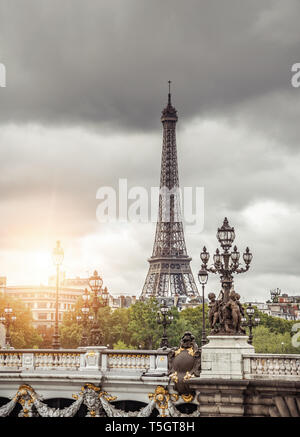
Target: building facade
pixel 286 307
pixel 41 299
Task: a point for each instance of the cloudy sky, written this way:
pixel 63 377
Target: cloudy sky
pixel 86 83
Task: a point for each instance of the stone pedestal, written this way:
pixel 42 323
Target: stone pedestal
pixel 91 360
pixel 222 356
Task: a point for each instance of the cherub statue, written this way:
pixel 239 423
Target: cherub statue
pixel 233 312
pixel 214 312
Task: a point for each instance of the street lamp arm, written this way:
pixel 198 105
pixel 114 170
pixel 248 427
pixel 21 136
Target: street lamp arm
pixel 212 269
pixel 242 269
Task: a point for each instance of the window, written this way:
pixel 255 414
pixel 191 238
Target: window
pixel 42 316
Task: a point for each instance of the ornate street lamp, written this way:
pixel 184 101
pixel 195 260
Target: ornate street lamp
pixel 251 323
pixel 203 277
pixel 85 318
pixel 274 294
pixel 164 318
pixel 100 299
pixel 225 263
pixel 58 257
pixel 7 319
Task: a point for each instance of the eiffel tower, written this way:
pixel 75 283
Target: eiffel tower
pixel 170 277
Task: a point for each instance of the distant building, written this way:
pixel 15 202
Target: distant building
pixel 77 282
pixel 283 306
pixel 121 301
pixel 41 299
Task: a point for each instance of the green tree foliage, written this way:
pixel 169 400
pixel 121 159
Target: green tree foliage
pixel 266 341
pixel 71 330
pixel 275 324
pixel 118 327
pixel 23 335
pixel 121 345
pixel 193 321
pixel 137 327
pixel 143 327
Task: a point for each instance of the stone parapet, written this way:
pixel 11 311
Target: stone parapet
pixel 222 357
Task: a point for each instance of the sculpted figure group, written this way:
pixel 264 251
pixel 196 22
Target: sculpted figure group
pixel 225 316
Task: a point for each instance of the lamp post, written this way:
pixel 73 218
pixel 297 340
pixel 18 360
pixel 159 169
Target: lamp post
pixel 85 318
pixel 203 277
pixel 251 323
pixel 58 257
pixel 274 294
pixel 164 318
pixel 7 319
pixel 100 299
pixel 226 263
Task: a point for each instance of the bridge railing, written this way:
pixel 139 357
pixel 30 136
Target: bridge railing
pixel 271 366
pixel 46 359
pixel 94 359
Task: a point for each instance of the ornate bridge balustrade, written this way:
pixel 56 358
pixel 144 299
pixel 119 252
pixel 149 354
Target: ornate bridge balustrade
pixel 40 359
pixel 272 366
pixel 98 358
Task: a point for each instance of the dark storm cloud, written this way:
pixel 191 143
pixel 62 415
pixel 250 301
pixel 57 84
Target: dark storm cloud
pixel 107 62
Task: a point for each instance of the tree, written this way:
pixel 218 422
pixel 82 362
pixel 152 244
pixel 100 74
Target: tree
pixel 121 345
pixel 266 341
pixel 143 325
pixel 71 331
pixel 23 334
pixel 193 321
pixel 119 322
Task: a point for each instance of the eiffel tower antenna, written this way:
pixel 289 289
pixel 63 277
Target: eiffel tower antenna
pixel 169 272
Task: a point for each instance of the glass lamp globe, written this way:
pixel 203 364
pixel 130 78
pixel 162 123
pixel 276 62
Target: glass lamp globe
pixel 204 256
pixel 164 309
pixel 203 276
pixel 235 255
pixel 85 295
pixel 247 256
pixel 226 235
pixel 58 254
pixel 217 257
pixel 250 310
pixel 95 282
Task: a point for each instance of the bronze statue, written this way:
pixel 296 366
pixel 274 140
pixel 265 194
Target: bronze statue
pixel 214 314
pixel 225 316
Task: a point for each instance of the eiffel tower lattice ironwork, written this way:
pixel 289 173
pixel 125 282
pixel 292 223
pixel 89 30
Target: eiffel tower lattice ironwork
pixel 169 274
